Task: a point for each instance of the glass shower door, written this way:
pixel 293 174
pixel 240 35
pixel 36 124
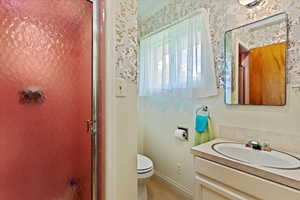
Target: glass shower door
pixel 45 85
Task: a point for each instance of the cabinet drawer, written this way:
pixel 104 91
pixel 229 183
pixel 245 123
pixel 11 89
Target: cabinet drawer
pixel 240 181
pixel 208 189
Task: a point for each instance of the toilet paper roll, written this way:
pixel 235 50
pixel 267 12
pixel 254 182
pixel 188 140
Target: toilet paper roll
pixel 180 134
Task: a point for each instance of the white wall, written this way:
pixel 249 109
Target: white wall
pixel 161 116
pixel 127 137
pixel 121 114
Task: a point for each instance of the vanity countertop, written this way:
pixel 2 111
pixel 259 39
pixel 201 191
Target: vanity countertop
pixel 290 178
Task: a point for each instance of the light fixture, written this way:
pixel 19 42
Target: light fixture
pixel 250 3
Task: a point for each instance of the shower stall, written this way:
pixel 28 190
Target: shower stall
pixel 50 115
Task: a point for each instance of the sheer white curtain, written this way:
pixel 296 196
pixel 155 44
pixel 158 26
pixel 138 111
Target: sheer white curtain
pixel 178 61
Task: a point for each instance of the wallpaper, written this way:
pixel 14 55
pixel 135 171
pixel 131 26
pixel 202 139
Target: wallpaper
pixel 228 14
pixel 126 40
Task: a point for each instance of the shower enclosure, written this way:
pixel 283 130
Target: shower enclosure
pixel 49 100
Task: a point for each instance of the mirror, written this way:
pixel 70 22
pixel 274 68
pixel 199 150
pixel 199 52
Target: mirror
pixel 255 62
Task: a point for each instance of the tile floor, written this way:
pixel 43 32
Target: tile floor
pixel 159 190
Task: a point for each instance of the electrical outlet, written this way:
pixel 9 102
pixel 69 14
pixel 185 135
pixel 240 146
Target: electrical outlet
pixel 179 169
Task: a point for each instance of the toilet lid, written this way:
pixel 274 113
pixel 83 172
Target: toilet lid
pixel 144 164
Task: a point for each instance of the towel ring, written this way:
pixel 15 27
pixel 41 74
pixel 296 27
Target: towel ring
pixel 203 109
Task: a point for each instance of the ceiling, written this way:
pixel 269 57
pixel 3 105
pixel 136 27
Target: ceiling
pixel 146 8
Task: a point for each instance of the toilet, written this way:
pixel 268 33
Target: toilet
pixel 144 171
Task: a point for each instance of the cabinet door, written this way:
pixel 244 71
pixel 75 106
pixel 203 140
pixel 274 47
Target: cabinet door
pixel 210 194
pixel 206 189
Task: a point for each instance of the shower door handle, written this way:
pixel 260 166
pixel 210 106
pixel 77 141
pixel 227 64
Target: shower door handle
pixel 91 126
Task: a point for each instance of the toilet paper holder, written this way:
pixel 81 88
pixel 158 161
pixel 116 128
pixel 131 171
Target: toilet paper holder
pixel 186 132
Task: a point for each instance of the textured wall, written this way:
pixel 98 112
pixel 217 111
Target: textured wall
pixel 229 14
pixel 126 41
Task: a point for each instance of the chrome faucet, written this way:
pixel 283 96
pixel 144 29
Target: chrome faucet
pixel 257 146
pixel 254 145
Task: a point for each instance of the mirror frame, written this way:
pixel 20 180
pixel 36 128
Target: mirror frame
pixel 286 59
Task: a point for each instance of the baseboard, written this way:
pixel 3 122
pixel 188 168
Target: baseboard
pixel 177 187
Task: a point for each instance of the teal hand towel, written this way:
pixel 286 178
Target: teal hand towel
pixel 205 136
pixel 201 123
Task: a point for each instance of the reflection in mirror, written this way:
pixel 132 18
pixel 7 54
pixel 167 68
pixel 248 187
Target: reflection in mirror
pixel 255 62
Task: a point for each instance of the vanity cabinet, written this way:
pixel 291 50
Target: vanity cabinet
pixel 214 181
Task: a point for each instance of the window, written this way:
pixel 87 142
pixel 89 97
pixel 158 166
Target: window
pixel 178 60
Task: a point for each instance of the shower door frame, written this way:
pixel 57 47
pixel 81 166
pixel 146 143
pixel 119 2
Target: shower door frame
pixel 98 107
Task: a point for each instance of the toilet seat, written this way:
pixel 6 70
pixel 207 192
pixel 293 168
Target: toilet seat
pixel 144 167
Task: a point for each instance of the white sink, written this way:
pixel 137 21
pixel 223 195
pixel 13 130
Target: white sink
pixel 273 159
